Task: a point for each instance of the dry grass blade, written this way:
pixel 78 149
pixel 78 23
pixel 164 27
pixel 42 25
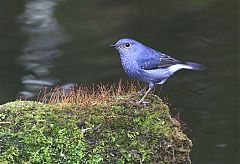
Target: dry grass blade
pixel 88 95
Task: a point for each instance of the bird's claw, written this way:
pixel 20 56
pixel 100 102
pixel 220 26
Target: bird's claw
pixel 139 103
pixel 142 102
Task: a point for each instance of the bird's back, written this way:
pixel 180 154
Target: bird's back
pixel 151 59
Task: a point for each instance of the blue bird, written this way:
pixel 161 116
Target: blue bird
pixel 148 65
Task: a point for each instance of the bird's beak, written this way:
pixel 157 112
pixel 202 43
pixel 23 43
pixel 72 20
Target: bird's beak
pixel 113 45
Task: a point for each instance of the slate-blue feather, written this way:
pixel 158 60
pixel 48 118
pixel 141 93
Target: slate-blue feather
pixel 148 65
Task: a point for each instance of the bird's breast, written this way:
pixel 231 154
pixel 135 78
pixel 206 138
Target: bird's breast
pixel 130 67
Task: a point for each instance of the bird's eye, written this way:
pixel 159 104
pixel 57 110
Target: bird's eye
pixel 127 44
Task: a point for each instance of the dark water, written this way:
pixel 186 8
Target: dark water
pixel 50 42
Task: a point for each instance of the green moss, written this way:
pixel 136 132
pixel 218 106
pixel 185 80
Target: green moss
pixel 116 132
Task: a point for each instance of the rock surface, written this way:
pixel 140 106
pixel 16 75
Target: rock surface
pixel 112 132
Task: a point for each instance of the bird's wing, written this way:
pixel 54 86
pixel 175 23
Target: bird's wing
pixel 153 60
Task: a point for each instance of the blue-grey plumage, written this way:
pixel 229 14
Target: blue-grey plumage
pixel 148 65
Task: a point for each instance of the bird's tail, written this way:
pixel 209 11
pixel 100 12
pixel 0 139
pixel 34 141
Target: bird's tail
pixel 194 66
pixel 186 65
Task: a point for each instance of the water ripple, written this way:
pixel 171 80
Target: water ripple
pixel 41 48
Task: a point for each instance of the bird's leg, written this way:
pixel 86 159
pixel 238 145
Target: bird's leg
pixel 140 92
pixel 142 99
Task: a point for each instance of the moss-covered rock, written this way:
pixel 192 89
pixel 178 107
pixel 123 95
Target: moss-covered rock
pixel 116 132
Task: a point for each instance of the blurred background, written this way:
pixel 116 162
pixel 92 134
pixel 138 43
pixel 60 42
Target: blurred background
pixel 59 42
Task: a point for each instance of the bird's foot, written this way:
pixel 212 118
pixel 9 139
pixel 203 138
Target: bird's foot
pixel 139 103
pixel 135 94
pixel 138 93
pixel 142 102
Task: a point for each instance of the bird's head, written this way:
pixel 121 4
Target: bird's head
pixel 127 47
